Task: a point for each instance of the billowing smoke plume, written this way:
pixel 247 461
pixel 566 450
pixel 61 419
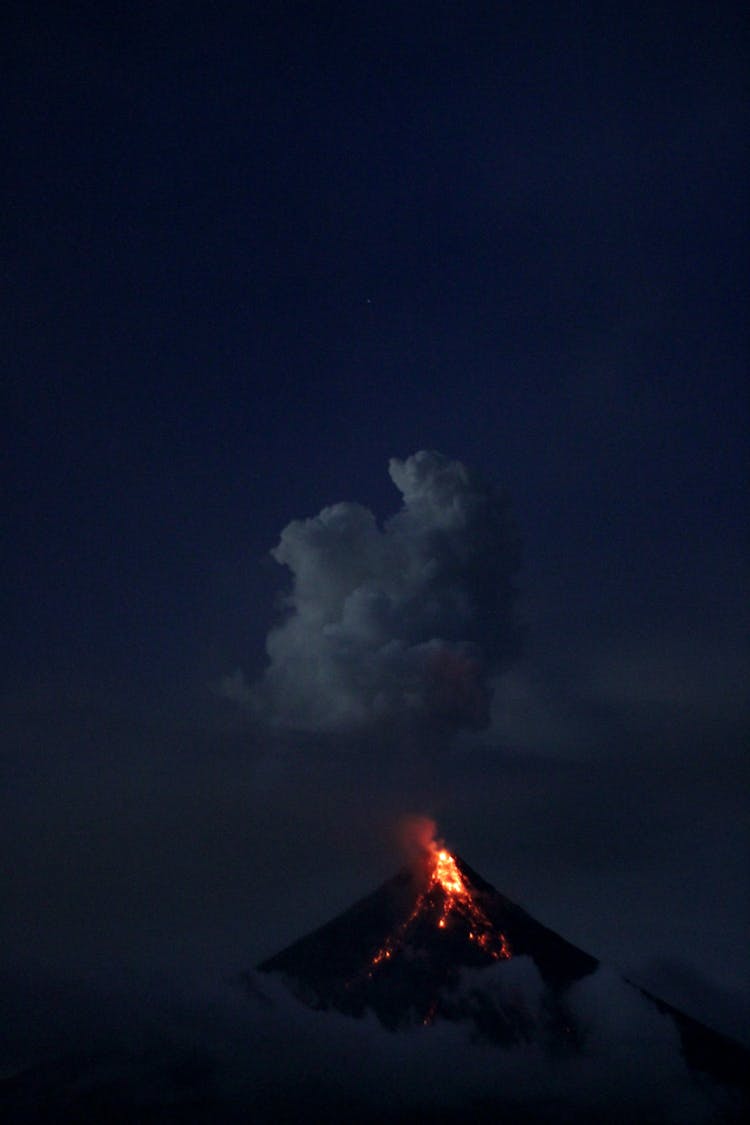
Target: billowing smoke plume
pixel 401 624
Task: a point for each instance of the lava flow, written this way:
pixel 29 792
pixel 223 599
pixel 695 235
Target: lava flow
pixel 447 891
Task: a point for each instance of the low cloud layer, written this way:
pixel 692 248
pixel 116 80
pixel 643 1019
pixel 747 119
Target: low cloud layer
pixel 230 1054
pixel 403 624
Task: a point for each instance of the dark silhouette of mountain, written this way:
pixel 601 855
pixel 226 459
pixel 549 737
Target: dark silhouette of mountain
pixel 435 945
pixel 403 951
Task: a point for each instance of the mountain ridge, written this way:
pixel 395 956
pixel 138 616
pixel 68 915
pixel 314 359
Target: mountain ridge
pixel 405 951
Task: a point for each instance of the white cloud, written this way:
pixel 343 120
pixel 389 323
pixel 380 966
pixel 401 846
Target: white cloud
pixel 402 624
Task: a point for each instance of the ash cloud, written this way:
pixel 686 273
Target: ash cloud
pixel 402 624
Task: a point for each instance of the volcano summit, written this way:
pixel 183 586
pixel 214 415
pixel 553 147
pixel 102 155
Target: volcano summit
pixel 402 951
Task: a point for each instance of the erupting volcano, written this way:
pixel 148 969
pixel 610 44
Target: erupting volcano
pixel 401 951
pixel 422 948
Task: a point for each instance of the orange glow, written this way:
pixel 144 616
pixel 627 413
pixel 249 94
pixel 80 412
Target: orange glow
pixel 430 1014
pixel 448 892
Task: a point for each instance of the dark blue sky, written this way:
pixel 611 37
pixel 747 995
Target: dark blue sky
pixel 253 251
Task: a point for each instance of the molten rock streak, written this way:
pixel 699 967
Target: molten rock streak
pixel 447 896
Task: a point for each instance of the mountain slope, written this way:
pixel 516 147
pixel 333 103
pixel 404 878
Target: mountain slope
pixel 413 951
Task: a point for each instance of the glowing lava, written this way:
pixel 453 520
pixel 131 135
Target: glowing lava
pixel 458 899
pixel 448 893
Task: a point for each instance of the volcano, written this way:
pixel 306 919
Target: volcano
pixel 435 998
pixel 421 948
pixel 401 951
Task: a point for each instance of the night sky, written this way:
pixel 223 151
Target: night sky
pixel 251 254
